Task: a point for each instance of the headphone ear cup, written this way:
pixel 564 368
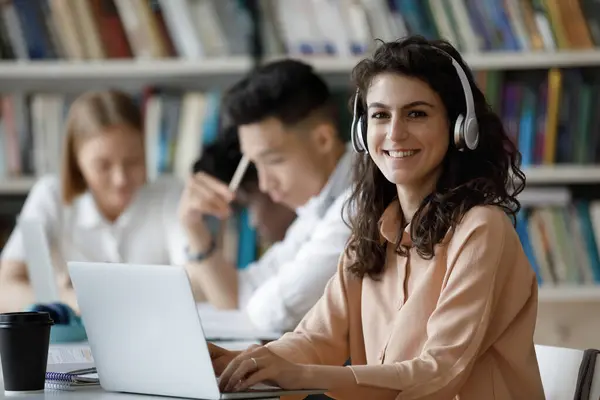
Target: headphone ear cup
pixel 466 133
pixel 459 133
pixel 361 133
pixel 354 134
pixel 363 129
pixel 471 133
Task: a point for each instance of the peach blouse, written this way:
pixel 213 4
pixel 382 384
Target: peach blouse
pixel 458 326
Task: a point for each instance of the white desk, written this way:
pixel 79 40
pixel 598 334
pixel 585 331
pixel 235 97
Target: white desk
pixel 213 322
pixel 97 393
pixel 85 394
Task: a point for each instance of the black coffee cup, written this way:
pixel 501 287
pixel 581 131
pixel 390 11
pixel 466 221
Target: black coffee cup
pixel 24 343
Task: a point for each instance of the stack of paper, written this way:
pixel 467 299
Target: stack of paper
pixel 230 325
pixel 68 357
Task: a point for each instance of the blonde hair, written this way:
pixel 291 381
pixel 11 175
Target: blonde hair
pixel 90 114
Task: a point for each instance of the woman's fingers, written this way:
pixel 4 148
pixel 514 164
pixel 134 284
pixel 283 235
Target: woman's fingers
pixel 245 368
pixel 227 379
pixel 261 375
pixel 257 352
pixel 220 363
pixel 229 370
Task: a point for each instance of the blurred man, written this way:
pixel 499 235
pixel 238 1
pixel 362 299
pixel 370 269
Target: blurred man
pixel 287 127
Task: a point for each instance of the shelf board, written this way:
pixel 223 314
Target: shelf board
pixel 566 294
pixel 498 60
pixel 170 68
pixel 17 186
pixel 67 69
pixel 563 174
pixel 533 60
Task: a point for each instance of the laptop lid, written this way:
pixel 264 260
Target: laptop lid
pixel 145 332
pixel 39 261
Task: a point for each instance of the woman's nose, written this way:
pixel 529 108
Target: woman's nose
pixel 397 130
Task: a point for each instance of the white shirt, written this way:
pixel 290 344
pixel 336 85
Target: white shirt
pixel 148 232
pixel 280 288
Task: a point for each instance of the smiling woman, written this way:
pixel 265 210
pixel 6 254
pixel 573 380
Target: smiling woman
pixel 418 119
pixel 434 296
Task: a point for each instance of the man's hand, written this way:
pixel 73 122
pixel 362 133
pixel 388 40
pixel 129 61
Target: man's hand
pixel 203 195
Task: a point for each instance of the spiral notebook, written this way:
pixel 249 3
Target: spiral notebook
pixel 72 380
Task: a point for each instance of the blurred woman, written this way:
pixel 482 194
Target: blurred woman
pixel 100 208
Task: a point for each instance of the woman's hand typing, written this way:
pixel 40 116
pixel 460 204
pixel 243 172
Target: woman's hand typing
pixel 257 365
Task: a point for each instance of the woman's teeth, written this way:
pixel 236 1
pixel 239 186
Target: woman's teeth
pixel 401 154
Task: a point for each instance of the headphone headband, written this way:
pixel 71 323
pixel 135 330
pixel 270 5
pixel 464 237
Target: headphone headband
pixel 464 81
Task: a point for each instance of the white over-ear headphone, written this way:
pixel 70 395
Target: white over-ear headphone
pixel 466 129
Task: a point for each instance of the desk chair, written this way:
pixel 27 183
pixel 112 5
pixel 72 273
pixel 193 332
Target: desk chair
pixel 569 373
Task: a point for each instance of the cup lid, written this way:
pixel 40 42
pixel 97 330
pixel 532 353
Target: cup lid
pixel 26 318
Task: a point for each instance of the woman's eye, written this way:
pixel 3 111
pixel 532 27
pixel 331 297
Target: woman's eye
pixel 378 115
pixel 416 114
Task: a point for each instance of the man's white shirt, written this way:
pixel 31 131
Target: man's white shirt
pixel 280 288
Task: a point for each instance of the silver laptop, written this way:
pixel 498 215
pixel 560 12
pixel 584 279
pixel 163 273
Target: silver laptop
pixel 39 261
pixel 145 332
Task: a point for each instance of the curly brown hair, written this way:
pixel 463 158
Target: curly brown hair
pixel 488 175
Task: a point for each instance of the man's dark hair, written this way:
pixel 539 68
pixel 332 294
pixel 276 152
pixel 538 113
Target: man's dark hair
pixel 221 158
pixel 288 90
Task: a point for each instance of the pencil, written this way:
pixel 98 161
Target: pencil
pixel 239 174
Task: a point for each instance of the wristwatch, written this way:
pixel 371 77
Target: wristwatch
pixel 201 256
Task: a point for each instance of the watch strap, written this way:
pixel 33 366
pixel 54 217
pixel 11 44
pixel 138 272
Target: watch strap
pixel 201 256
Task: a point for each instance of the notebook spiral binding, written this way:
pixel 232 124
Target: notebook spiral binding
pixel 60 377
pixel 70 380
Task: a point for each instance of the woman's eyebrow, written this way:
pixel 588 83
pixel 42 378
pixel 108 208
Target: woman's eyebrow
pixel 416 103
pixel 378 105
